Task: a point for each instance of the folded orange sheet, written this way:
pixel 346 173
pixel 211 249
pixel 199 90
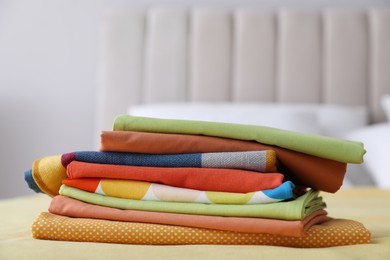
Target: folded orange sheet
pixel 335 232
pixel 207 179
pixel 302 169
pixel 65 206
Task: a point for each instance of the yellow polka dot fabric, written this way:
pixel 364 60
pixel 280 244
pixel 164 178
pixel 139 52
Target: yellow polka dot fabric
pixel 336 232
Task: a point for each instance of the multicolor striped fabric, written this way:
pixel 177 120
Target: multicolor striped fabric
pixel 140 190
pixel 261 161
pixel 48 172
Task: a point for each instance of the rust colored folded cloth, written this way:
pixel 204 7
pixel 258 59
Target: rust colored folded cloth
pixel 335 232
pixel 302 169
pixel 322 146
pixel 206 179
pixel 65 206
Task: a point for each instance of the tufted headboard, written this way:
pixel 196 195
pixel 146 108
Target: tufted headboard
pixel 209 54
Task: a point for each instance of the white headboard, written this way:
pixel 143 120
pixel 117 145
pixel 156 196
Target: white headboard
pixel 210 54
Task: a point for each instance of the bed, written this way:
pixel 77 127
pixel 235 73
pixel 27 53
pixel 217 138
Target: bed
pixel 320 72
pixel 370 206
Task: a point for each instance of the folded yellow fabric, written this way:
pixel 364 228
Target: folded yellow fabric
pixel 321 146
pixel 336 232
pixel 48 172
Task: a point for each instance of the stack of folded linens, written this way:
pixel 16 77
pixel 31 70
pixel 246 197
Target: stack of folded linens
pixel 175 182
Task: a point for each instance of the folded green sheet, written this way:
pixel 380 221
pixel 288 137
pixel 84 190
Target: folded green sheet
pixel 296 209
pixel 321 146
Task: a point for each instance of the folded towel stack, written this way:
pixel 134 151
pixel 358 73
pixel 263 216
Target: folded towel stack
pixel 160 181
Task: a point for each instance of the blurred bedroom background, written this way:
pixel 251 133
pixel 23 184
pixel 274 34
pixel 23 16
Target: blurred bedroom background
pixel 49 72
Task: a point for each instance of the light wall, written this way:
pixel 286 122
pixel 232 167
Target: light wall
pixel 49 71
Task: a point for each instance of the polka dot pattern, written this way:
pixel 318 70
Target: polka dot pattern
pixel 336 232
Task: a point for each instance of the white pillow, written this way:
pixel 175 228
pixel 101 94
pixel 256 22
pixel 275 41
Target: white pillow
pixel 385 102
pixel 321 119
pixel 336 120
pixel 376 139
pixel 287 117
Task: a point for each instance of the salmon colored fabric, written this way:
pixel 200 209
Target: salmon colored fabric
pixel 335 232
pixel 303 169
pixel 206 179
pixel 66 206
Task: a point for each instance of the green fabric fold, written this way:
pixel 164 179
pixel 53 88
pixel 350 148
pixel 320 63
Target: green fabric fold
pixel 290 210
pixel 321 146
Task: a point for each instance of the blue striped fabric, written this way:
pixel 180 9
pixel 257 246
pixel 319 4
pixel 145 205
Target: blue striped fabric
pixel 235 160
pixel 136 159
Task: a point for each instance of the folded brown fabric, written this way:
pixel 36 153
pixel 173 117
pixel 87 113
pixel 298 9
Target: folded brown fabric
pixel 303 169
